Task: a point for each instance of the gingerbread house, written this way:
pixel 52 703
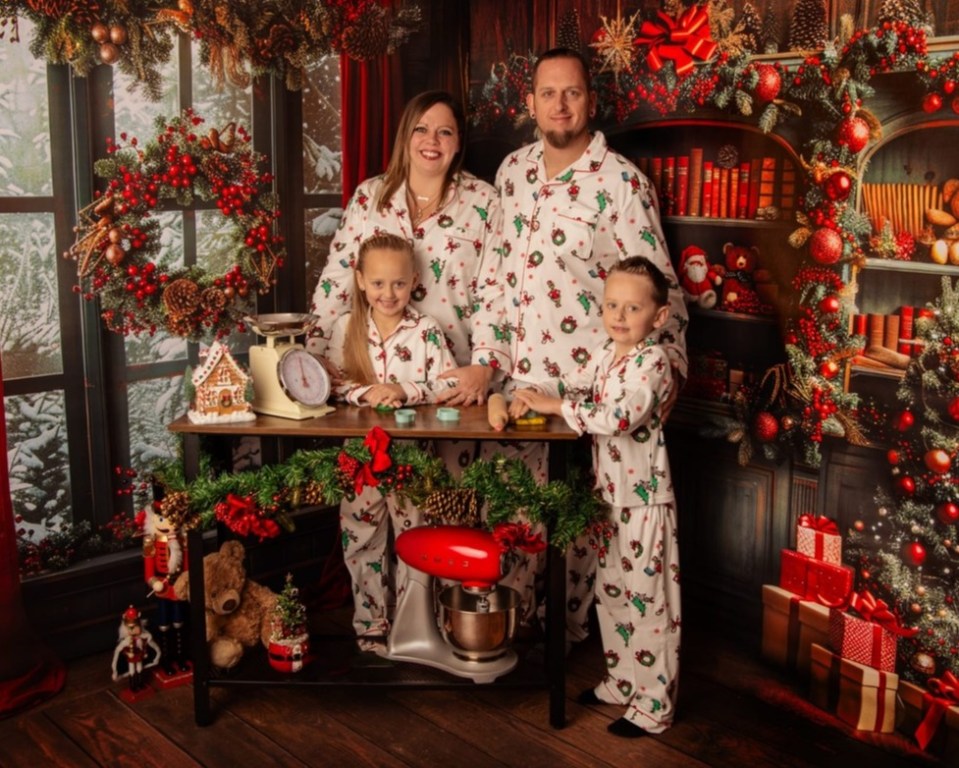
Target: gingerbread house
pixel 220 386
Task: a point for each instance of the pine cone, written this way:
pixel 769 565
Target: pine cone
pixel 313 494
pixel 176 507
pixel 728 157
pixel 212 300
pixel 909 11
pixel 181 298
pixel 568 35
pixel 452 507
pixel 276 45
pixel 369 37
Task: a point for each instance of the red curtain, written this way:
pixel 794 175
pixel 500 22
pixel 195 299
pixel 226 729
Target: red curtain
pixel 28 671
pixel 370 92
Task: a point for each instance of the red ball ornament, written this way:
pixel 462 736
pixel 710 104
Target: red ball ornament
pixel 829 369
pixel 838 186
pixel 953 409
pixel 769 83
pixel 932 103
pixel 904 421
pixel 829 304
pixel 853 132
pixel 948 86
pixel 906 485
pixel 765 427
pixel 825 246
pixel 948 513
pixel 892 456
pixel 914 554
pixel 938 461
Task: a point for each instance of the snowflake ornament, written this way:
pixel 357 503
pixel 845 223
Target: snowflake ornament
pixel 614 44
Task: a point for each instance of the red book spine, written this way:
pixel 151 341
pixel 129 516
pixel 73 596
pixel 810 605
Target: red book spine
pixel 755 173
pixel 717 174
pixel 707 188
pixel 734 193
pixel 695 180
pixel 682 185
pixel 723 193
pixel 743 205
pixel 907 330
pixel 669 185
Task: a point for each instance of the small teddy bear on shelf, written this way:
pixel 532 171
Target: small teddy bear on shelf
pixel 699 279
pixel 739 294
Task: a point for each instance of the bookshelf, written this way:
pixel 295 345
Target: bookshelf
pixel 737 190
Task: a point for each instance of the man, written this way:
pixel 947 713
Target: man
pixel 572 207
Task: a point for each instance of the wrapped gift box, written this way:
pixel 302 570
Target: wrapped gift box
pixel 861 696
pixel 790 627
pixel 861 641
pixel 818 538
pixel 939 734
pixel 814 580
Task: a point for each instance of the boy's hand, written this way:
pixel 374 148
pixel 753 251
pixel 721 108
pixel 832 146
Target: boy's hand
pixel 525 400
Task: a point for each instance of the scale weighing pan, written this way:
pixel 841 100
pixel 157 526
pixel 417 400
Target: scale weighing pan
pixel 282 323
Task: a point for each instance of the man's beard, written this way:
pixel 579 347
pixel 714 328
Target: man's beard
pixel 559 139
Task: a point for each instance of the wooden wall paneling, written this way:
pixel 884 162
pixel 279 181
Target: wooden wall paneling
pixel 850 477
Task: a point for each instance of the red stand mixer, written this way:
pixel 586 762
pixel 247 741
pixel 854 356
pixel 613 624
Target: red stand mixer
pixel 469 635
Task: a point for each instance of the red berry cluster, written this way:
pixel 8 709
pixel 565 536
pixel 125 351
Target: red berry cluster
pixel 233 282
pixel 820 409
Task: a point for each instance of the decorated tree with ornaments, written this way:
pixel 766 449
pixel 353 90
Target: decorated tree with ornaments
pixel 907 552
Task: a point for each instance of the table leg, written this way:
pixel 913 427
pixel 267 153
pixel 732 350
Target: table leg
pixel 198 649
pixel 556 608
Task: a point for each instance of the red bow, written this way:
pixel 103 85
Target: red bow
pixel 678 40
pixel 821 523
pixel 378 441
pixel 877 611
pixel 947 687
pixel 517 536
pixel 943 694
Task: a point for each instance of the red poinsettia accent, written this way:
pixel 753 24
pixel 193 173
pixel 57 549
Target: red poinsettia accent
pixel 243 516
pixel 518 536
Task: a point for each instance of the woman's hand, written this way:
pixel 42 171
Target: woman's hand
pixel 474 381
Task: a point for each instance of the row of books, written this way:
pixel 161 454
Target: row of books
pixel 689 185
pixel 894 331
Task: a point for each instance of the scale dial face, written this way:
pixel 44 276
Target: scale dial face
pixel 303 377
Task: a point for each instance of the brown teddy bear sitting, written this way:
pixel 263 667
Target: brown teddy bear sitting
pixel 237 610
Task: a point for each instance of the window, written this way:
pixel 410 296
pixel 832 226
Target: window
pixel 79 400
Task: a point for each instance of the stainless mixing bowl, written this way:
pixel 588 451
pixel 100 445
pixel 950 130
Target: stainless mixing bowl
pixel 474 633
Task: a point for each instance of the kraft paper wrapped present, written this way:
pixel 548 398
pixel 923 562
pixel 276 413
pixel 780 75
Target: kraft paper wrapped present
pixel 861 696
pixel 869 638
pixel 818 538
pixel 790 627
pixel 931 716
pixel 815 580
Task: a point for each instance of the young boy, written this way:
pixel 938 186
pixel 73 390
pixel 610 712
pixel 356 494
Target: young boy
pixel 617 396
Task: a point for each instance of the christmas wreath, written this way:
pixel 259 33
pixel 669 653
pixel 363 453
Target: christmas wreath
pixel 117 247
pixel 282 37
pixel 689 57
pixel 259 502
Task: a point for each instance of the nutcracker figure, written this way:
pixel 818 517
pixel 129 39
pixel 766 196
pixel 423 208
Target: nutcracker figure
pixel 136 650
pixel 164 559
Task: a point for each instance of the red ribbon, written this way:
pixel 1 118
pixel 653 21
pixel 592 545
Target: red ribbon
pixel 945 694
pixel 821 523
pixel 679 40
pixel 378 441
pixel 877 611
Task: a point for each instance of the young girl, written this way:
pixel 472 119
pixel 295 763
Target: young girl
pixel 382 353
pixel 618 396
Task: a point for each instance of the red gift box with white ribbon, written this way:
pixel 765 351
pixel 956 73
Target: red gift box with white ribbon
pixel 869 638
pixel 818 538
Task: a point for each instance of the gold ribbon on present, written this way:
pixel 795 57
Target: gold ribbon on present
pixel 943 694
pixel 679 40
pixel 877 611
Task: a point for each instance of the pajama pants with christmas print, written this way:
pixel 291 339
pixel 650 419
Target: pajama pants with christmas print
pixel 364 531
pixel 638 607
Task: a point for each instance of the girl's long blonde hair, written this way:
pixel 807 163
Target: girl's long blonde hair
pixel 397 172
pixel 356 352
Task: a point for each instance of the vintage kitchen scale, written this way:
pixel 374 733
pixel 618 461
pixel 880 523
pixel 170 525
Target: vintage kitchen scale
pixel 470 634
pixel 287 380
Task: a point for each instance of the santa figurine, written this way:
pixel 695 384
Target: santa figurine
pixel 136 650
pixel 699 279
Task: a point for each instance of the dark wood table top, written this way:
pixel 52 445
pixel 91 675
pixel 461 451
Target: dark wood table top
pixel 354 421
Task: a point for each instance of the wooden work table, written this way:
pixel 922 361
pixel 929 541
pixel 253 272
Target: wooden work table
pixel 352 422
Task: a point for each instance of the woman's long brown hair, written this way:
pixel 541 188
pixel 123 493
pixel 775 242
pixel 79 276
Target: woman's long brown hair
pixel 356 351
pixel 397 172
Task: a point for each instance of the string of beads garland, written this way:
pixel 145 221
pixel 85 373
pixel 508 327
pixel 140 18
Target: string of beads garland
pixel 117 247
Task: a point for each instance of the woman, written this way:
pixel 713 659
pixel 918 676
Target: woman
pixel 449 215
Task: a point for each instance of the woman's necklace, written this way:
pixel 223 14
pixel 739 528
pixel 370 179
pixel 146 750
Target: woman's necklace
pixel 421 206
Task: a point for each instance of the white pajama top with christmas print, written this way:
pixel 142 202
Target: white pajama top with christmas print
pixel 449 247
pixel 618 400
pixel 413 355
pixel 560 238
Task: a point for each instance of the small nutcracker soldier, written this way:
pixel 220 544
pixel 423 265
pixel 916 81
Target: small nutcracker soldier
pixel 164 559
pixel 136 650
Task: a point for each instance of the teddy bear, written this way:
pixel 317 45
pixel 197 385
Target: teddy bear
pixel 738 281
pixel 698 278
pixel 238 610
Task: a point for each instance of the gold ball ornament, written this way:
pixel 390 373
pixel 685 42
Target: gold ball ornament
pixel 921 591
pixel 923 663
pixel 118 34
pixel 109 53
pixel 100 33
pixel 915 609
pixel 859 525
pixel 942 613
pixel 114 254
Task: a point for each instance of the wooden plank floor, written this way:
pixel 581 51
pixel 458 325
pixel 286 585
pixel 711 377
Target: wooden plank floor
pixel 728 716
